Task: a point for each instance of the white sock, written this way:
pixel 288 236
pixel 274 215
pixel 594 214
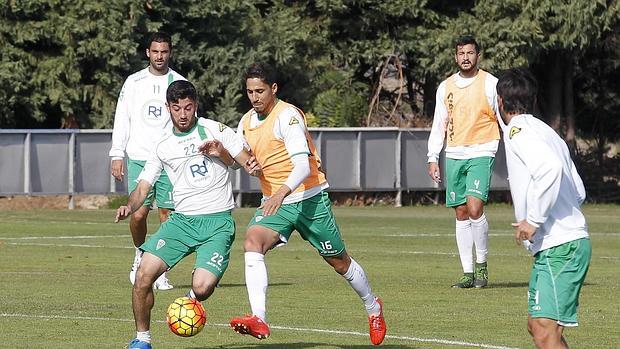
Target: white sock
pixel 191 294
pixel 358 281
pixel 465 243
pixel 256 282
pixel 480 232
pixel 138 257
pixel 144 336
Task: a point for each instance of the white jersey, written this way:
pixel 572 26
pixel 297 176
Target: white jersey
pixel 546 189
pixel 294 137
pixel 201 184
pixel 440 123
pixel 141 115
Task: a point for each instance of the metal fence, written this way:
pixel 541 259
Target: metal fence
pixel 71 162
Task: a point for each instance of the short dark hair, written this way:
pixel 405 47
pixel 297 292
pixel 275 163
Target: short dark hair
pixel 518 88
pixel 261 71
pixel 467 40
pixel 181 89
pixel 160 37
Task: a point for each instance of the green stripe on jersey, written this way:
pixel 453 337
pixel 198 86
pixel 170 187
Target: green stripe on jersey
pixel 202 132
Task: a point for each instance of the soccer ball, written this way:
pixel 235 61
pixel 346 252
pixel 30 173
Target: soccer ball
pixel 186 317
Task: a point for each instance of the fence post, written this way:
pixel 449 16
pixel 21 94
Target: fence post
pixel 72 171
pixel 399 191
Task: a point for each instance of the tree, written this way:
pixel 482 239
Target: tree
pixel 64 62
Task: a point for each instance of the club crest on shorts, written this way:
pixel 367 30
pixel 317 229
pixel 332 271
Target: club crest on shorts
pixel 160 244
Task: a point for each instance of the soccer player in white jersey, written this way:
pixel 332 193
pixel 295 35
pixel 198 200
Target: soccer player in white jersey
pixel 141 119
pixel 193 155
pixel 547 193
pixel 466 119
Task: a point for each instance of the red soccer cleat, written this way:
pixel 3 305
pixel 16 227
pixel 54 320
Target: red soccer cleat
pixel 377 326
pixel 252 325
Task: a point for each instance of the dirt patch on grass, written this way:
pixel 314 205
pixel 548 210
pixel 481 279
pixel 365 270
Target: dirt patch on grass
pixel 60 202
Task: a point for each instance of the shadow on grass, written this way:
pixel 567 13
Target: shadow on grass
pixel 508 285
pixel 275 284
pixel 520 284
pixel 307 346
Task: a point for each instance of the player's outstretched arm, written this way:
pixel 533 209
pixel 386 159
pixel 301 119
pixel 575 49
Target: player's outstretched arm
pixel 135 201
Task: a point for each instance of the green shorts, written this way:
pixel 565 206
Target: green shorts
pixel 161 190
pixel 210 236
pixel 468 177
pixel 312 218
pixel 557 276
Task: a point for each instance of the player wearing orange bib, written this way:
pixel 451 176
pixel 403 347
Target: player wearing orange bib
pixel 294 198
pixel 465 118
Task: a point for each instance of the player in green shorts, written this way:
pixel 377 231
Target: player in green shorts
pixel 141 118
pixel 196 156
pixel 312 218
pixel 465 121
pixel 547 193
pixel 468 177
pixel 294 198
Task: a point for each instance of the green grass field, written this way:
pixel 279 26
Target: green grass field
pixel 64 285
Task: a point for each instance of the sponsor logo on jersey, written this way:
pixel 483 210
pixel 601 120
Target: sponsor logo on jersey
pixel 199 169
pixel 222 127
pixel 154 111
pixel 450 99
pixel 293 121
pixel 513 131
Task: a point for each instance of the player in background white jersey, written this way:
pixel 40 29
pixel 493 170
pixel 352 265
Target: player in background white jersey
pixel 547 193
pixel 141 119
pixel 466 120
pixel 196 155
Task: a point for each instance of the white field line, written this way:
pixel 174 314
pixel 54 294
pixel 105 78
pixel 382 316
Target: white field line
pixel 451 234
pixel 407 252
pixel 285 328
pixel 67 237
pixel 61 222
pixel 506 233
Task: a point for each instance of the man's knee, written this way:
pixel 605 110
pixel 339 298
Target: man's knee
pixel 475 207
pixel 203 290
pixel 259 239
pixel 545 332
pixel 462 213
pixel 340 263
pixel 203 283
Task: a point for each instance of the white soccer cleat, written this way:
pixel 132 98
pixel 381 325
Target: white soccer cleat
pixel 162 283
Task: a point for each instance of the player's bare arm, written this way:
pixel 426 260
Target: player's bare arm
pixel 433 172
pixel 118 169
pixel 135 201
